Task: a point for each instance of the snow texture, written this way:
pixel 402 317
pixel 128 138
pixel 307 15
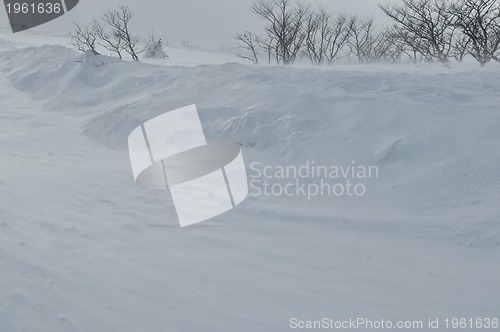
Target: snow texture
pixel 154 50
pixel 83 249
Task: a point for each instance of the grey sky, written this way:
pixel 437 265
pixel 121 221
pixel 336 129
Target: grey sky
pixel 201 22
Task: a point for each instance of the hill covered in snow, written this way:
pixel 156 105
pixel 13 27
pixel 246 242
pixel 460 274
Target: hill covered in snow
pixel 84 249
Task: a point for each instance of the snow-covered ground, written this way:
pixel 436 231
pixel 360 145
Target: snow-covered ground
pixel 83 249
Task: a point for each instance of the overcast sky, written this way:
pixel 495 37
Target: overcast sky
pixel 206 23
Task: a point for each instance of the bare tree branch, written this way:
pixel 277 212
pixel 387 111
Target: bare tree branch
pixel 119 21
pixel 84 38
pixel 248 47
pixel 479 21
pixel 285 23
pixel 110 41
pixel 424 26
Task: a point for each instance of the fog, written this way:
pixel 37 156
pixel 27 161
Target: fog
pixel 208 24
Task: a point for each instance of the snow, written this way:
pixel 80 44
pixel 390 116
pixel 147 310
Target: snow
pixel 83 249
pixel 154 50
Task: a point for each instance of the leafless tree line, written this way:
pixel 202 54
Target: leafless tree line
pixel 111 31
pixel 423 31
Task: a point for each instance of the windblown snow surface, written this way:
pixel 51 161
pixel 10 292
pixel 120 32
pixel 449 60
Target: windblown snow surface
pixel 83 249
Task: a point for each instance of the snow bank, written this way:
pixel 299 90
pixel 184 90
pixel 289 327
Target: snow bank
pixel 430 133
pixel 85 250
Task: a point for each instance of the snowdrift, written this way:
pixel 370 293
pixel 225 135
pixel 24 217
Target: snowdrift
pixel 85 250
pixel 433 135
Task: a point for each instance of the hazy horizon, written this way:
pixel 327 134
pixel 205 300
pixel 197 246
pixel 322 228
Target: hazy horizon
pixel 205 24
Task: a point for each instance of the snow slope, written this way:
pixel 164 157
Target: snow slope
pixel 83 249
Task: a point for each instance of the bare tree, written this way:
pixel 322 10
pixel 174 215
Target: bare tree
pixel 110 41
pixel 326 36
pixel 425 26
pixel 402 46
pixel 479 21
pixel 460 47
pixel 119 21
pixel 359 35
pixel 248 47
pixel 84 38
pixel 338 37
pixel 386 48
pixel 365 43
pixel 317 34
pixel 268 45
pixel 285 25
